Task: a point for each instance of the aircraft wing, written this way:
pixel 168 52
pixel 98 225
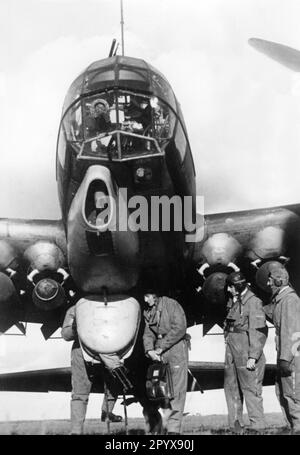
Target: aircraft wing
pixel 259 233
pixel 48 380
pixel 202 376
pixel 235 237
pixel 23 233
pixel 210 375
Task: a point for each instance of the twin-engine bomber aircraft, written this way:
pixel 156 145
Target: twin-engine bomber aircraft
pixel 122 135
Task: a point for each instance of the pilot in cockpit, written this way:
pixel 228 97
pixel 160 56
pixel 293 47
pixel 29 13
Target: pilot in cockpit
pixel 97 119
pixel 97 122
pixel 137 117
pixel 100 115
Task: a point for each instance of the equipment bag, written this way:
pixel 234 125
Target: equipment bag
pixel 159 384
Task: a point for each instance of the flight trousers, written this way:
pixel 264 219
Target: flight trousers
pixel 288 394
pixel 240 384
pixel 177 358
pixel 82 381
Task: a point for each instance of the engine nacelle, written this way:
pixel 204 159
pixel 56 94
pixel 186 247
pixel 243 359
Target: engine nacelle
pixel 44 256
pixel 221 248
pixel 268 243
pixel 108 327
pixel 48 294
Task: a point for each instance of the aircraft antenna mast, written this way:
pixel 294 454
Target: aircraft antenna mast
pixel 122 27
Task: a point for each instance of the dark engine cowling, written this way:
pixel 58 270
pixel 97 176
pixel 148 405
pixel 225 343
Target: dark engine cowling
pixel 48 294
pixel 45 261
pixel 214 288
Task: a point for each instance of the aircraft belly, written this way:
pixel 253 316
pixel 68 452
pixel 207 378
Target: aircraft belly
pixel 92 274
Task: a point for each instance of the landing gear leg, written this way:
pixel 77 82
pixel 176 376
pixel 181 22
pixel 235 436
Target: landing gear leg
pixel 125 412
pixel 107 410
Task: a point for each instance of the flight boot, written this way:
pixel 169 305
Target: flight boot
pixel 111 416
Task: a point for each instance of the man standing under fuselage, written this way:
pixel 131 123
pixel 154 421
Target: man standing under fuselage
pixel 245 336
pixel 165 340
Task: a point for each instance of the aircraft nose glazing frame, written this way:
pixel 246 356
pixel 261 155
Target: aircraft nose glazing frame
pixel 82 155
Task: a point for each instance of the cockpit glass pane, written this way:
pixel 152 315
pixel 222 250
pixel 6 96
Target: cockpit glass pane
pixel 134 79
pixel 126 74
pixel 104 146
pixel 97 79
pixel 164 120
pixel 162 89
pixel 137 145
pixel 74 92
pixel 132 62
pixel 73 123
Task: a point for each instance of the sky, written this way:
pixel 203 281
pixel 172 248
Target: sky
pixel 241 109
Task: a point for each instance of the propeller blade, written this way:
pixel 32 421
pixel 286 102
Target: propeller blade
pixel 285 55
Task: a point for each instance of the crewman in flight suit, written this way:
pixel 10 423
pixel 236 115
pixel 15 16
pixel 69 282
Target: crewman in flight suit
pixel 284 312
pixel 165 340
pixel 245 336
pixel 83 374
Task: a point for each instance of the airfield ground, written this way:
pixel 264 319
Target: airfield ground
pixel 192 425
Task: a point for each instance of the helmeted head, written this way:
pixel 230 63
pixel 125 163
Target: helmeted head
pixel 100 107
pixel 151 296
pixel 236 283
pixel 278 277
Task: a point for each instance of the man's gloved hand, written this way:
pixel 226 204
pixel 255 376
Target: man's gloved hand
pixel 153 356
pixel 251 364
pixel 188 341
pixel 284 368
